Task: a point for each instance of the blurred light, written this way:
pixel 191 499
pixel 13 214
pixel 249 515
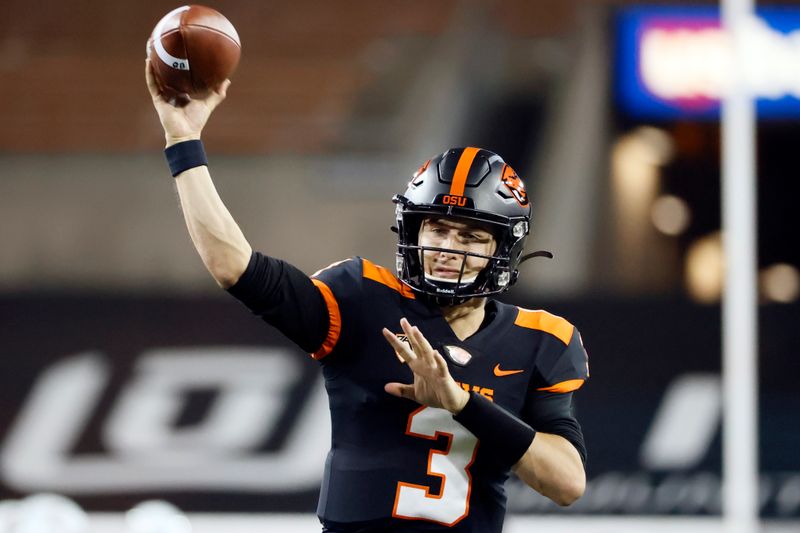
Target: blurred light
pixel 8 512
pixel 670 215
pixel 780 283
pixel 156 516
pixel 697 63
pixel 676 61
pixel 656 145
pixel 704 268
pixel 49 513
pixel 684 63
pixel 635 159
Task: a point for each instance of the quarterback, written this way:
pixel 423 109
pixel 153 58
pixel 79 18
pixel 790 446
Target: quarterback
pixel 437 391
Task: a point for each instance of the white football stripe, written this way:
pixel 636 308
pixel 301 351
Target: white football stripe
pixel 174 62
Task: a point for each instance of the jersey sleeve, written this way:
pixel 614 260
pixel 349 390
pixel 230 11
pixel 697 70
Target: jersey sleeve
pixel 549 405
pixel 286 298
pixel 553 412
pixel 308 310
pixel 341 286
pixel 564 369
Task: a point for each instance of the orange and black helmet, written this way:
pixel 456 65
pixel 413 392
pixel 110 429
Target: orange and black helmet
pixel 471 184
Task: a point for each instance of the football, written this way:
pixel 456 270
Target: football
pixel 192 50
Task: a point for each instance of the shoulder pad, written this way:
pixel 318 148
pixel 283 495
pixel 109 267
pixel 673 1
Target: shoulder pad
pixel 547 322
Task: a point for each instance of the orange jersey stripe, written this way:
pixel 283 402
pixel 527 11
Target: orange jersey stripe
pixel 544 321
pixel 565 386
pixel 335 327
pixel 384 277
pixel 462 171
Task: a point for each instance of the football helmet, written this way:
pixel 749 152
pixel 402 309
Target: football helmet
pixel 468 185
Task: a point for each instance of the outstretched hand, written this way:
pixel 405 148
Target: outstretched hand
pixel 433 385
pixel 186 122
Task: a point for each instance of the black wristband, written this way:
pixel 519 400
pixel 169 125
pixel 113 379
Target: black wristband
pixel 506 436
pixel 185 155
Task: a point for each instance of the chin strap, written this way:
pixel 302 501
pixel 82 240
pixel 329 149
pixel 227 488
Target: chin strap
pixel 538 253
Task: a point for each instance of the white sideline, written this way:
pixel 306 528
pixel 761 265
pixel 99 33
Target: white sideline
pixel 305 523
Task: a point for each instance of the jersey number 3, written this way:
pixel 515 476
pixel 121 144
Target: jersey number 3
pixel 451 504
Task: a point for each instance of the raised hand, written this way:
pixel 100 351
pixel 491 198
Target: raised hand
pixel 185 122
pixel 433 385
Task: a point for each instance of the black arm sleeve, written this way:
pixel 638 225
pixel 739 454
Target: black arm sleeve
pixel 286 298
pixel 551 412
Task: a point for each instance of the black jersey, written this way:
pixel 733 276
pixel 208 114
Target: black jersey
pixel 397 466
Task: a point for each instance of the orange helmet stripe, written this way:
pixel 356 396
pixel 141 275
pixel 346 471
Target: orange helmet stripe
pixel 462 170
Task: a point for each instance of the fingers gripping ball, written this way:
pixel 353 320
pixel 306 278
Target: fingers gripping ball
pixel 192 49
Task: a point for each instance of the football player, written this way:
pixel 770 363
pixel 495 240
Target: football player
pixel 436 391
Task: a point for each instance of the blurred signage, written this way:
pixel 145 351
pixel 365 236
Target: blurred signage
pixel 145 446
pixel 112 401
pixel 675 62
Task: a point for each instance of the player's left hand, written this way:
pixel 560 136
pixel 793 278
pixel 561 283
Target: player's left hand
pixel 433 385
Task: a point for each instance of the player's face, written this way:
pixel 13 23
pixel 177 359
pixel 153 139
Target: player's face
pixel 454 234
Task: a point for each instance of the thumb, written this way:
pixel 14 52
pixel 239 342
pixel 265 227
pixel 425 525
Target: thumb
pixel 401 390
pixel 150 79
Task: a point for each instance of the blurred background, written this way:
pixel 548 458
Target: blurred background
pixel 127 376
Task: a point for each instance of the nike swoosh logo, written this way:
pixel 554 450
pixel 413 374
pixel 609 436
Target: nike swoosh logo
pixel 500 373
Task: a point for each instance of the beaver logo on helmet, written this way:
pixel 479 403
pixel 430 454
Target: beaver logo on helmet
pixel 515 185
pixel 422 169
